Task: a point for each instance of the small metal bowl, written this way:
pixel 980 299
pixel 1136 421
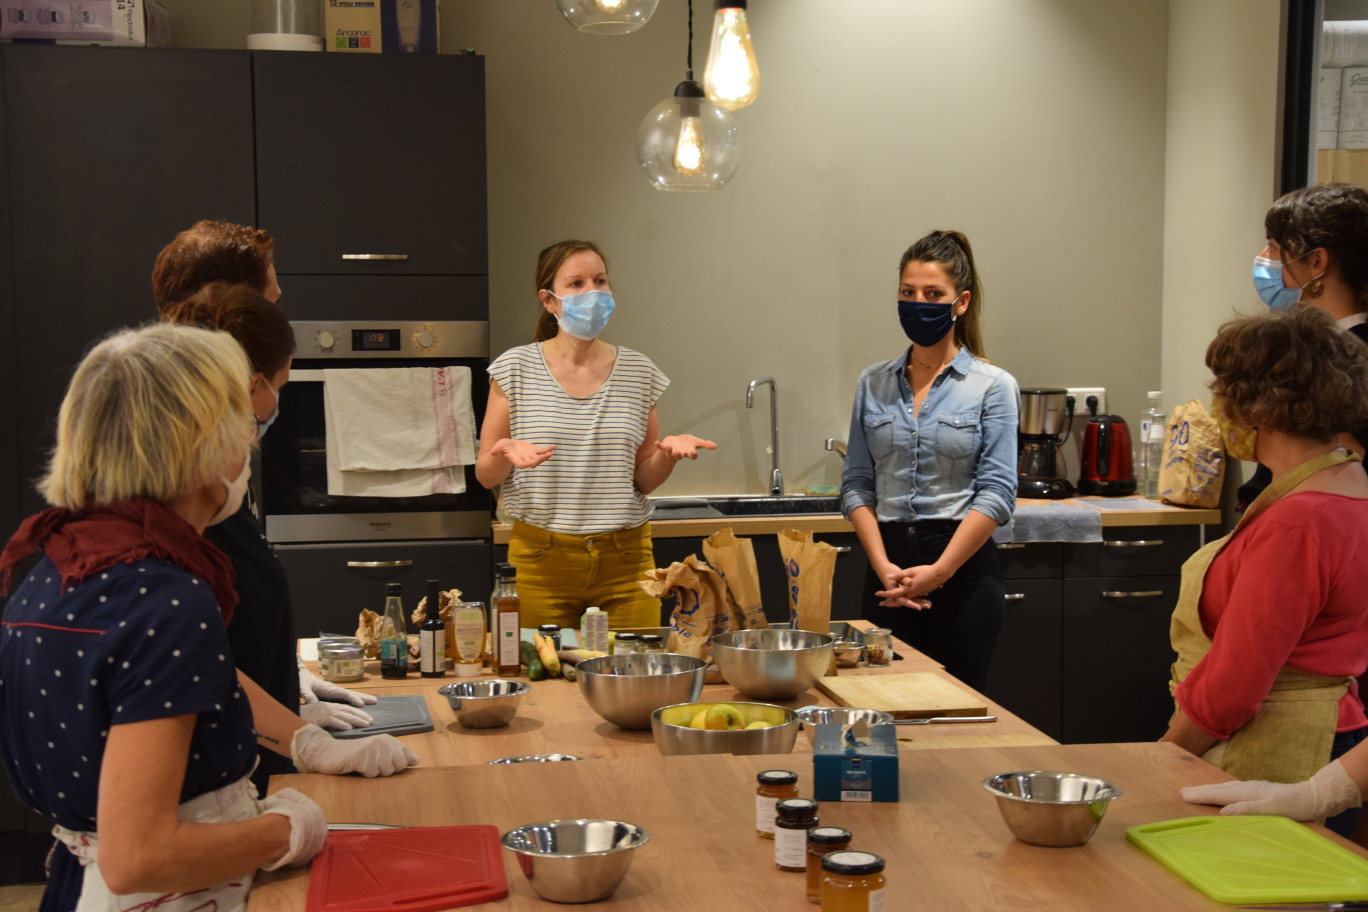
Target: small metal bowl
pixel 848 653
pixel 626 689
pixel 772 663
pixel 574 861
pixel 484 704
pixel 812 716
pixel 534 758
pixel 670 725
pixel 1051 808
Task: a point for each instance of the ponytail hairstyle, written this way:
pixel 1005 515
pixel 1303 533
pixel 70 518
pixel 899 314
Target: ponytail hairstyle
pixel 549 262
pixel 950 250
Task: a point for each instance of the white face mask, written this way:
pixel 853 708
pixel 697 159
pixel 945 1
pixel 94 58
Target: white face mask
pixel 237 489
pixel 264 426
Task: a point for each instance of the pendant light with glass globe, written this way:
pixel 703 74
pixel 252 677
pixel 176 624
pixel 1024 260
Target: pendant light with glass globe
pixel 687 142
pixel 607 17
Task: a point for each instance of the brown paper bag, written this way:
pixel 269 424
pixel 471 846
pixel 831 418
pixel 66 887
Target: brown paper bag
pixel 1194 458
pixel 734 559
pixel 702 606
pixel 810 566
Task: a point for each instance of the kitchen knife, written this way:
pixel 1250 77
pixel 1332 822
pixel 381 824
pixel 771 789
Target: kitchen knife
pixel 1351 906
pixel 939 719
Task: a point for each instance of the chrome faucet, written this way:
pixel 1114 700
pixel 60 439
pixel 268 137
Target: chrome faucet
pixel 839 446
pixel 776 476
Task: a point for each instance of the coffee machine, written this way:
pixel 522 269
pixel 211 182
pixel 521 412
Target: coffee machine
pixel 1045 414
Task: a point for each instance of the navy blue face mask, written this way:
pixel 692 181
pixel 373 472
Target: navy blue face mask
pixel 926 322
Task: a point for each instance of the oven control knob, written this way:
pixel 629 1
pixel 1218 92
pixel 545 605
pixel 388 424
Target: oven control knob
pixel 425 339
pixel 326 340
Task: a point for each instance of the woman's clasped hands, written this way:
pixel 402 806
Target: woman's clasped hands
pixel 908 588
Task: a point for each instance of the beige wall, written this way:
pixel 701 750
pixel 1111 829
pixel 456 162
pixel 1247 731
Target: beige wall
pixel 1221 175
pixel 1042 128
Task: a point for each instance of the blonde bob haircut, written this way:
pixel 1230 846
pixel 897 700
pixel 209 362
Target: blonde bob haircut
pixel 154 412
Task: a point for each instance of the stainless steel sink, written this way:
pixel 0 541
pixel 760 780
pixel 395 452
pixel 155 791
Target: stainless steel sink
pixel 744 505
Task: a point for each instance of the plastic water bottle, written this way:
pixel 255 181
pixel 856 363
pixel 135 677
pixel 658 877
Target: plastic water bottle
pixel 1153 429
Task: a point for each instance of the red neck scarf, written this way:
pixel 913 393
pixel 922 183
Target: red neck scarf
pixel 91 540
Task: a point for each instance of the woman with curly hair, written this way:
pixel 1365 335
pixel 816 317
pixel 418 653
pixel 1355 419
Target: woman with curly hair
pixel 1271 627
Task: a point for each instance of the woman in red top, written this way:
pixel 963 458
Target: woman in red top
pixel 1271 626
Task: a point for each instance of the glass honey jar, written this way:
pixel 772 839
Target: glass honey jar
pixel 821 841
pixel 853 882
pixel 775 786
pixel 795 817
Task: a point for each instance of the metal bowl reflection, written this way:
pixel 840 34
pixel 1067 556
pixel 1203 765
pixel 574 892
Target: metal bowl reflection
pixel 772 663
pixel 1051 808
pixel 484 704
pixel 626 689
pixel 574 861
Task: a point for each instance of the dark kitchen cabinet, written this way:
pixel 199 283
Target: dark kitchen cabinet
pixel 356 159
pixel 1084 653
pixel 111 152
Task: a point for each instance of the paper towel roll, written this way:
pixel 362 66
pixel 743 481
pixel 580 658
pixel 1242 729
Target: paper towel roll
pixel 1344 43
pixel 283 41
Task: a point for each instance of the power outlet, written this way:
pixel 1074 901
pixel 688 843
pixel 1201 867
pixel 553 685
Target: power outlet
pixel 1081 394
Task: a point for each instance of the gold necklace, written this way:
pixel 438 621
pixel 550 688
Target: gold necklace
pixel 927 366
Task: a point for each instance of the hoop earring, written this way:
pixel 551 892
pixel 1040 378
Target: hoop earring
pixel 1314 288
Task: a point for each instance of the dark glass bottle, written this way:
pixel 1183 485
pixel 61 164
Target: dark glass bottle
pixel 432 636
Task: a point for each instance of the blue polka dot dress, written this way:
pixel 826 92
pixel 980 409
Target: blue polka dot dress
pixel 130 643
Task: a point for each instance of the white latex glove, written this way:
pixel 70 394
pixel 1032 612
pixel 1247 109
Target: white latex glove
pixel 337 716
pixel 313 688
pixel 308 827
pixel 1325 794
pixel 316 751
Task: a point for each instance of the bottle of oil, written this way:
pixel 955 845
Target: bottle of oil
pixel 432 636
pixel 393 635
pixel 507 622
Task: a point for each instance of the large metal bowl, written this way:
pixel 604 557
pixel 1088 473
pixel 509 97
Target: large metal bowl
pixel 772 663
pixel 1050 808
pixel 484 704
pixel 674 736
pixel 812 716
pixel 626 689
pixel 574 861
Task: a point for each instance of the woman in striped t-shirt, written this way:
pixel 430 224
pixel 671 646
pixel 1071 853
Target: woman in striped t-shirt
pixel 572 435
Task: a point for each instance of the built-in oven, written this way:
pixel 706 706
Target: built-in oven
pixel 339 551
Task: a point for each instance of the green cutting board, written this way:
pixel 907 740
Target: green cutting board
pixel 1254 859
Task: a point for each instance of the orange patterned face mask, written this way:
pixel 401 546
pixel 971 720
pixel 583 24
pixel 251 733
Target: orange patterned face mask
pixel 1238 440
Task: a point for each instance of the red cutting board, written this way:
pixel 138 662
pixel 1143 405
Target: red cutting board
pixel 409 869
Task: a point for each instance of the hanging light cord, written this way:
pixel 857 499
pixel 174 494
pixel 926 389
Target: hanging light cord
pixel 689 61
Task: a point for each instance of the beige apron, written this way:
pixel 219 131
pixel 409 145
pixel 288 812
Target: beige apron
pixel 1291 735
pixel 233 802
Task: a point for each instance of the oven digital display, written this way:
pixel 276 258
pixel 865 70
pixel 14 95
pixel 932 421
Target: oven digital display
pixel 375 340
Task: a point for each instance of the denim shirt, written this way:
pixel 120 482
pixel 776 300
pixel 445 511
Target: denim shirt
pixel 958 454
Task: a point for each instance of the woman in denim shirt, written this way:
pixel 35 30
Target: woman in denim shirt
pixel 931 468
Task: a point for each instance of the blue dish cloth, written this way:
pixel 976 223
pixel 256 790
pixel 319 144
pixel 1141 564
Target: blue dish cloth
pixel 1051 523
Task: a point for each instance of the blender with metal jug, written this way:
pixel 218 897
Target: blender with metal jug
pixel 1045 414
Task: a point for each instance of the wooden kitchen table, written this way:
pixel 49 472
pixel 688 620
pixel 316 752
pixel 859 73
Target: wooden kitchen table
pixel 945 843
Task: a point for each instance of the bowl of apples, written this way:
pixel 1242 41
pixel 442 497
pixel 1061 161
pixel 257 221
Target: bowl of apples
pixel 724 728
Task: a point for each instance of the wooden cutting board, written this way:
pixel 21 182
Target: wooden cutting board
pixel 916 695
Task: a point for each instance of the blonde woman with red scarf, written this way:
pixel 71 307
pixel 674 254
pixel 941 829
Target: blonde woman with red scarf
pixel 122 720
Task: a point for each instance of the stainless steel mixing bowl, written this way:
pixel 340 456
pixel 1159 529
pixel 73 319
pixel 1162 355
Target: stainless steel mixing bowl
pixel 484 704
pixel 840 715
pixel 670 725
pixel 626 689
pixel 1051 808
pixel 772 663
pixel 574 861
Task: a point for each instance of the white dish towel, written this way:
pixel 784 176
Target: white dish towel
pixel 398 432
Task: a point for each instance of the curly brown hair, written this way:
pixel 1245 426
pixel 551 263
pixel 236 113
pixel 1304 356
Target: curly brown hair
pixel 1332 216
pixel 1293 372
pixel 211 251
pixel 259 326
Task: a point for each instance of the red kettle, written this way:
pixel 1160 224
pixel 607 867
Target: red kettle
pixel 1107 466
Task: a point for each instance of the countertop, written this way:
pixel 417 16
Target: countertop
pixel 1114 512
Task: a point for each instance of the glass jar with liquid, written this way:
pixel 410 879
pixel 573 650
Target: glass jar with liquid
pixel 853 882
pixel 774 786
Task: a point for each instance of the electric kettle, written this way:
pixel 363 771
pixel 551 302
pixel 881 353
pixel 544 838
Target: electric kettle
pixel 1107 465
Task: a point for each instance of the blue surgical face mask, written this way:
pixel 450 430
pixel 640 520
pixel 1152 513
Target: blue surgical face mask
pixel 1268 282
pixel 926 322
pixel 585 315
pixel 264 426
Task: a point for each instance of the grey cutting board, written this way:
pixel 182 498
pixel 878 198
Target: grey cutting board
pixel 393 716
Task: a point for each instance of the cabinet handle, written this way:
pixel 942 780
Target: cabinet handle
pixel 372 565
pixel 1144 593
pixel 1014 596
pixel 1138 543
pixel 1011 546
pixel 375 256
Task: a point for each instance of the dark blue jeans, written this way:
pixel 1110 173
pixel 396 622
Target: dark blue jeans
pixel 961 627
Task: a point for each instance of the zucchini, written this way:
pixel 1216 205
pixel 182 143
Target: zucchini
pixel 536 671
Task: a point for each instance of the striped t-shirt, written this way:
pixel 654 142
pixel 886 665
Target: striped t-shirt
pixel 587 486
